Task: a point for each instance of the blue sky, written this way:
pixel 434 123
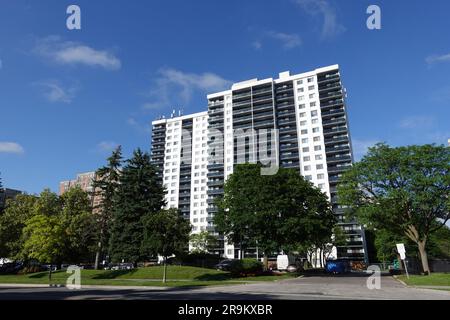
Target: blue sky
pixel 68 97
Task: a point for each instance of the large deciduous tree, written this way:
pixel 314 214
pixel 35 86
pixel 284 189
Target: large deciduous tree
pixel 165 233
pixel 404 190
pixel 139 194
pixel 12 222
pixel 274 212
pixel 105 188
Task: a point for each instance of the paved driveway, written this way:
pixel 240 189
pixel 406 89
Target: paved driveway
pixel 306 288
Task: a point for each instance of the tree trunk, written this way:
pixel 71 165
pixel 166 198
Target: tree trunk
pixel 266 262
pixel 99 248
pixel 165 270
pixel 423 256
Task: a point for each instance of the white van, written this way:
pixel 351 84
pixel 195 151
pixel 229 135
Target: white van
pixel 283 261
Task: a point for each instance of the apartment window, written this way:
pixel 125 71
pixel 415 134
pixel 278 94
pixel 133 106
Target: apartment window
pixel 305 140
pixel 319 166
pixel 301 98
pixel 317 148
pixel 319 157
pixel 321 186
pixel 307 158
pixel 307 168
pixel 303 123
pixel 312 95
pixel 302 106
pixel 311 88
pixel 303 114
pixel 172 199
pixel 306 149
pixel 310 80
pixel 300 82
pixel 315 121
pixel 173 184
pixel 301 90
pixel 312 104
pixel 314 113
pixel 320 176
pixel 308 178
pixel 172 191
pixel 304 131
pixel 315 130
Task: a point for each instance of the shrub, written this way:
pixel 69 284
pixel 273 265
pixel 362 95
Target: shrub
pixel 246 267
pixel 202 260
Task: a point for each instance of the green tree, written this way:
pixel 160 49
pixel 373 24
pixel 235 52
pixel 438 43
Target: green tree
pixel 276 212
pixel 165 233
pixel 44 240
pixel 12 222
pixel 80 227
pixel 403 190
pixel 203 242
pixel 139 194
pixel 105 187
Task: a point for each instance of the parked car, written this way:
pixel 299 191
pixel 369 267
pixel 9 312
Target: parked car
pixel 11 267
pixel 224 265
pixel 292 268
pixel 337 266
pixel 121 266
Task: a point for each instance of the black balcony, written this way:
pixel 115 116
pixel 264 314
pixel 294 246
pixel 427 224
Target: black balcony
pixel 215 191
pixel 338 159
pixel 333 112
pixel 335 130
pixel 331 122
pixel 217 174
pixel 345 148
pixel 215 183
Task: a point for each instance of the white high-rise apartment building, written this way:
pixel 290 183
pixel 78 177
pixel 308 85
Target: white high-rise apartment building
pixel 306 127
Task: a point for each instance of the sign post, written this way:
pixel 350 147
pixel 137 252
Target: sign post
pixel 402 252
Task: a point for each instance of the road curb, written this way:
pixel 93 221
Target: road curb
pixel 402 282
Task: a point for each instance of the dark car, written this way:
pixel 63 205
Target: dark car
pixel 337 266
pixel 11 268
pixel 224 265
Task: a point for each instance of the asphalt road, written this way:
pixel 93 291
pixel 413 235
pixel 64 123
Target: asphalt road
pixel 306 288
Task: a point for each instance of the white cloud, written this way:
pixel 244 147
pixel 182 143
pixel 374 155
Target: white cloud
pixel 417 122
pixel 74 53
pixel 257 45
pixel 173 87
pixel 107 146
pixel 360 147
pixel 288 41
pixel 54 91
pixel 330 26
pixel 11 147
pixel 438 58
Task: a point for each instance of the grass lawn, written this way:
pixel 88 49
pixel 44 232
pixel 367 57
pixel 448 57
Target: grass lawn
pixel 435 279
pixel 177 276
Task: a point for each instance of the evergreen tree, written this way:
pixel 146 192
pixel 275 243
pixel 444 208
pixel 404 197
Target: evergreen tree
pixel 105 187
pixel 139 194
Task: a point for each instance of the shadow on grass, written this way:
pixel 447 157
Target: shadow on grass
pixel 113 274
pixel 43 274
pixel 214 277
